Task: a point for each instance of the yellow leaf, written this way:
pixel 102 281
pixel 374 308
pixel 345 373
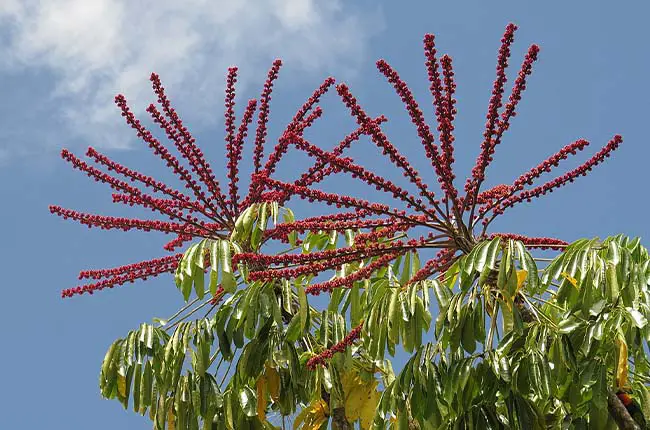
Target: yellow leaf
pixel 572 280
pixel 171 420
pixel 621 368
pixel 312 416
pixel 300 418
pixel 361 398
pixel 367 413
pixel 121 385
pixel 273 382
pixel 261 398
pixel 521 277
pixel 319 415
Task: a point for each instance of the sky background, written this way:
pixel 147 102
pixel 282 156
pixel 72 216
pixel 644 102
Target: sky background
pixel 62 62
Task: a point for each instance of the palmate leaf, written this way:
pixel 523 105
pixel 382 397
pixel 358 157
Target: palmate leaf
pixel 153 364
pixel 147 365
pixel 395 313
pixel 536 373
pixel 217 253
pixel 192 267
pixel 559 364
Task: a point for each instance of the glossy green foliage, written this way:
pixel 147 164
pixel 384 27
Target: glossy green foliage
pixel 502 339
pixel 561 341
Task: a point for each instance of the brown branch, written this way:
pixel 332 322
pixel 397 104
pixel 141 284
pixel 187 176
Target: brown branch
pixel 339 422
pixel 618 412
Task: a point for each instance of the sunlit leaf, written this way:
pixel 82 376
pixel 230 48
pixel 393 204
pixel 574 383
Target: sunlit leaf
pixel 573 281
pixel 637 317
pixel 261 398
pixel 621 364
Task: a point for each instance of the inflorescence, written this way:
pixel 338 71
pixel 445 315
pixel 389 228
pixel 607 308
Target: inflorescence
pixel 455 219
pixel 202 209
pixel 456 222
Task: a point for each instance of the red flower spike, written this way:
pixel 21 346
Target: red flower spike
pixel 160 150
pixel 548 164
pixel 487 148
pixel 327 225
pixel 560 181
pixel 441 161
pixel 143 272
pixel 348 281
pixel 356 171
pixel 509 111
pixel 199 214
pixel 446 126
pixel 263 118
pixel 310 103
pixel 184 142
pixel 533 242
pixel 322 358
pixel 125 224
pixel 177 242
pixel 298 124
pixel 437 264
pixel 380 139
pixel 234 153
pixel 143 265
pixel 318 171
pixel 453 232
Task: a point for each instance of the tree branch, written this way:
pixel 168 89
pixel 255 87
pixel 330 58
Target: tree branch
pixel 339 422
pixel 618 412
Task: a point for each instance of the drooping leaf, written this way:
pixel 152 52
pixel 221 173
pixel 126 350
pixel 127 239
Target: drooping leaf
pixel 621 363
pixel 248 401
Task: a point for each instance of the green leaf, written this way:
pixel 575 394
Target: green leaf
pixel 493 252
pixel 186 287
pixel 406 269
pixel 137 381
pixel 443 294
pixel 214 255
pixel 260 226
pixel 189 259
pixel 567 325
pixel 504 269
pixel 199 283
pixel 528 264
pixel 613 253
pixel 248 400
pixel 355 306
pixel 612 283
pixel 481 257
pixel 227 277
pixel 286 295
pixel 479 322
pixel 304 308
pixel 637 317
pixel 508 318
pixel 294 329
pixel 146 386
pixel 393 318
pixel 468 339
pixel 511 284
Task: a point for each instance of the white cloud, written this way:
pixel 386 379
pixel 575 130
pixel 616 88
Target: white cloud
pixel 94 49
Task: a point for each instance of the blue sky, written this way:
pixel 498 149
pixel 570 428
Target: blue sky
pixel 62 61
